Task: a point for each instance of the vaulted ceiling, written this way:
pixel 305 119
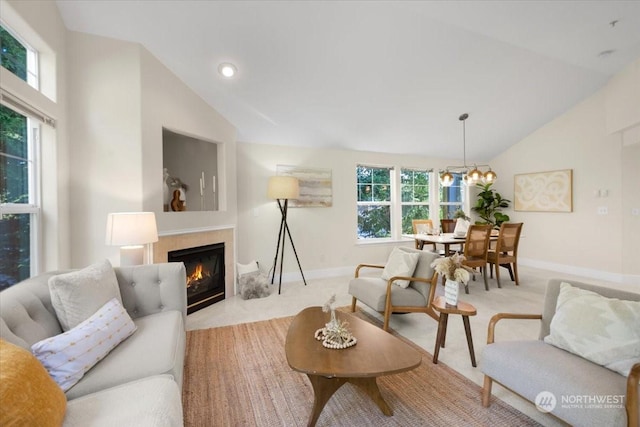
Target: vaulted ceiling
pixel 387 76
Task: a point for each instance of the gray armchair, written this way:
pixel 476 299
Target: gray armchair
pixel 386 297
pixel 530 367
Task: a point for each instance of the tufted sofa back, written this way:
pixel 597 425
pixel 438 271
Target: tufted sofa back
pixel 27 316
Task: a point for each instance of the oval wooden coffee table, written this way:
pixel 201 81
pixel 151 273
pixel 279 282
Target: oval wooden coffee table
pixel 377 353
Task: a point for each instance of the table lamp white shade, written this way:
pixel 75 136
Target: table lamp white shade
pixel 131 231
pixel 283 187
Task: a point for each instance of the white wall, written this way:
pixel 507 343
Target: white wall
pixel 583 139
pixel 325 238
pixel 120 98
pixel 169 103
pixel 105 135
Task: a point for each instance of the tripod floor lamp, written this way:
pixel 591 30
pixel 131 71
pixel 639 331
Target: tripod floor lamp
pixel 283 188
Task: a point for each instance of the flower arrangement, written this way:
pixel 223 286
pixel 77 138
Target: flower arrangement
pixel 335 333
pixel 452 268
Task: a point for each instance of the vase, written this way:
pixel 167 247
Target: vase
pixel 451 288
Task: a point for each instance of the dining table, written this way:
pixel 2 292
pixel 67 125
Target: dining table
pixel 444 239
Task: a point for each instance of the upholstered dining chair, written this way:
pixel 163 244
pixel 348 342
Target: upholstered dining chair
pixel 476 248
pixel 449 226
pixel 387 295
pixel 422 226
pixel 505 253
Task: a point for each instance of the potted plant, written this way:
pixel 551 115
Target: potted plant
pixel 460 214
pixel 489 204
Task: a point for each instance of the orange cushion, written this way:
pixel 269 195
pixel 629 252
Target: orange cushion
pixel 28 395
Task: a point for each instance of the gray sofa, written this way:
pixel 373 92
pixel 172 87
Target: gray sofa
pixel 140 381
pixel 531 367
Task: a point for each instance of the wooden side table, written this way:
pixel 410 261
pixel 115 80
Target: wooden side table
pixel 465 310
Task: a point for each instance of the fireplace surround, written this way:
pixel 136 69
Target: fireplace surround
pixel 169 241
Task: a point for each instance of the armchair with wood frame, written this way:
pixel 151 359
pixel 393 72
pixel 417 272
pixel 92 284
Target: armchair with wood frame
pixel 529 367
pixel 386 297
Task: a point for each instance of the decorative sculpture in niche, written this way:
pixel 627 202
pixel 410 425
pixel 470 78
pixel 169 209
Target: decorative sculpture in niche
pixel 178 201
pixel 174 193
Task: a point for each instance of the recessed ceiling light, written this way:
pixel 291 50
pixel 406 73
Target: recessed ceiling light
pixel 227 70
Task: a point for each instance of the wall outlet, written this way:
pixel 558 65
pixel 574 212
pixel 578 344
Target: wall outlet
pixel 603 210
pixel 634 212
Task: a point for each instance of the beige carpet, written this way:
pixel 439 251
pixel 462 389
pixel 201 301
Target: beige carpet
pixel 238 376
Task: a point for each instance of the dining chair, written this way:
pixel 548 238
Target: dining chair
pixel 421 226
pixel 505 253
pixel 449 226
pixel 476 248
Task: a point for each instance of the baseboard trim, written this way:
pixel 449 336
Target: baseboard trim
pixel 626 279
pixel 317 274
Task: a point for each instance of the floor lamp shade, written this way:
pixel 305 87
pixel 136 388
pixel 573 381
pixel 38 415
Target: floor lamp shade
pixel 130 231
pixel 283 187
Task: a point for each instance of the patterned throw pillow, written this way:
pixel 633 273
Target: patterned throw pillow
pixel 69 355
pixel 400 263
pixel 77 295
pixel 603 330
pixel 28 395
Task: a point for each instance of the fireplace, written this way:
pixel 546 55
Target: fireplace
pixel 205 274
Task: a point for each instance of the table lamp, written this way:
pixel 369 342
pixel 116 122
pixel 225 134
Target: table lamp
pixel 283 188
pixel 131 231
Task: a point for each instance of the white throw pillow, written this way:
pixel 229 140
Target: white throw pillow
pixel 400 263
pixel 77 295
pixel 603 330
pixel 69 355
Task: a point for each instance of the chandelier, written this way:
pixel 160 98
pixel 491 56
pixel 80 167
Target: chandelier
pixel 472 175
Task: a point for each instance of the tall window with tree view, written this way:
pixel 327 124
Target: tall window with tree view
pixel 19 170
pixel 452 198
pixel 18 204
pixel 414 187
pixel 375 192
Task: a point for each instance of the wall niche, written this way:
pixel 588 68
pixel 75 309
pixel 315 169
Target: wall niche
pixel 190 172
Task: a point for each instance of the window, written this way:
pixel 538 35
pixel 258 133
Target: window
pixel 414 188
pixel 375 191
pixel 18 57
pixel 452 198
pixel 19 201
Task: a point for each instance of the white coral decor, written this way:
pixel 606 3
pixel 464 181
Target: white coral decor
pixel 335 333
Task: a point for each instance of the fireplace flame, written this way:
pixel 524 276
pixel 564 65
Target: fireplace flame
pixel 197 276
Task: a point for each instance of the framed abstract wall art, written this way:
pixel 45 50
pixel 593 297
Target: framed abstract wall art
pixel 550 191
pixel 315 186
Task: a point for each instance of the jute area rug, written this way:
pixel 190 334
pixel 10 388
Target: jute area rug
pixel 238 376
